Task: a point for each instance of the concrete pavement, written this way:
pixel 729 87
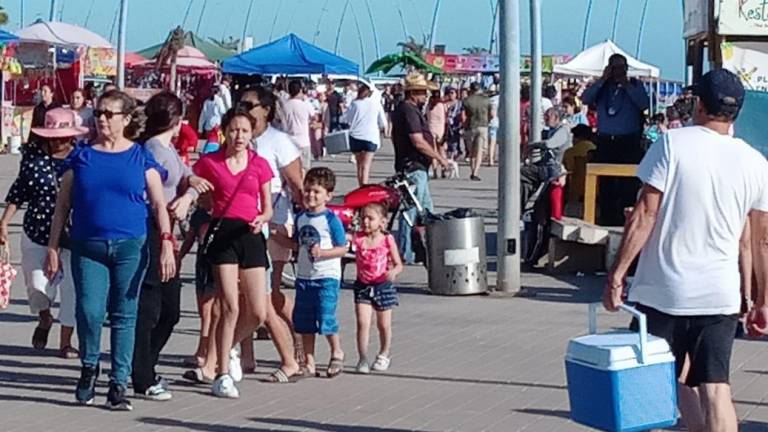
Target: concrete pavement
pixel 480 363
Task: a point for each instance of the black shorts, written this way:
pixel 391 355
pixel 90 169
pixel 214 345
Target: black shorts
pixel 234 243
pixel 707 340
pixel 358 145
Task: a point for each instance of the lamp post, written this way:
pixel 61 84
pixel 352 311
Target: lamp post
pixel 121 44
pixel 508 237
pixel 536 114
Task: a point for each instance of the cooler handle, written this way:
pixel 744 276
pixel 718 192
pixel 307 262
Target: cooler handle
pixel 632 311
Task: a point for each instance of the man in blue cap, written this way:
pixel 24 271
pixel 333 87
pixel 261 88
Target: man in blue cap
pixel 700 186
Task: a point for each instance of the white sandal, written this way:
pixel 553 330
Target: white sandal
pixel 382 363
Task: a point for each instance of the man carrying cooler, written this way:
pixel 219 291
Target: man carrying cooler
pixel 699 186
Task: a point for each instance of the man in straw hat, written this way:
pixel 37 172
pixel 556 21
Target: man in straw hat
pixel 414 152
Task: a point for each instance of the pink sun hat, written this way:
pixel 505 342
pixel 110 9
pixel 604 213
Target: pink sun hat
pixel 61 123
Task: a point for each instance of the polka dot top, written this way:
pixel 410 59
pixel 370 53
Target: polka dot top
pixel 36 185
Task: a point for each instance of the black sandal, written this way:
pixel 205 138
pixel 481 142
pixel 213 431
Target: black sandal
pixel 40 337
pixel 335 367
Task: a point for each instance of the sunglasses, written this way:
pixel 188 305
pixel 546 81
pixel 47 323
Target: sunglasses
pixel 248 105
pixel 106 113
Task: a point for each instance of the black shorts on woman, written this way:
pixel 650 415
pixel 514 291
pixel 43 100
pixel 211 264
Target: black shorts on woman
pixel 235 243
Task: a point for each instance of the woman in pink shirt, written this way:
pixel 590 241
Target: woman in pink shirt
pixel 235 244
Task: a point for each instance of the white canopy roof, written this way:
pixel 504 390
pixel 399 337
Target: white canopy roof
pixel 59 33
pixel 594 59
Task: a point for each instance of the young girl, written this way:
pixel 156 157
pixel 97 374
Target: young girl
pixel 378 264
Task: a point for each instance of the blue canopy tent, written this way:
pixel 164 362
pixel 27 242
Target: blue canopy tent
pixel 288 55
pixel 6 37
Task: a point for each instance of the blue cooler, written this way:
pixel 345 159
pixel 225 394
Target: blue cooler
pixel 621 381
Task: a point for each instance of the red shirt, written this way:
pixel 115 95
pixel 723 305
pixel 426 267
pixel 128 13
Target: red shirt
pixel 246 205
pixel 186 141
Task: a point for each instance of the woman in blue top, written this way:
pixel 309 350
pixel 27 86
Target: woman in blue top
pixel 105 186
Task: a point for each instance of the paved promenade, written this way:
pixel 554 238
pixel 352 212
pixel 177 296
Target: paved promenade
pixel 480 363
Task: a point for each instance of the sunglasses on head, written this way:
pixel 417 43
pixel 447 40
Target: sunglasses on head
pixel 106 113
pixel 248 105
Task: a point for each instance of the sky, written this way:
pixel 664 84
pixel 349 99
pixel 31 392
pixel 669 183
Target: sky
pixel 460 24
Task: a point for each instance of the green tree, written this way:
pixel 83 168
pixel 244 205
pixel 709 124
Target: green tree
pixel 3 16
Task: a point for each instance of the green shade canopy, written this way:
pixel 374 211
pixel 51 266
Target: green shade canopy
pixel 404 59
pixel 212 51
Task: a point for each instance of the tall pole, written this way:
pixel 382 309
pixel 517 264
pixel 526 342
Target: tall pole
pixel 320 21
pixel 274 21
pixel 186 13
pixel 200 19
pixel 615 20
pixel 508 244
pixel 359 34
pixel 373 28
pixel 536 114
pixel 21 14
pixel 494 19
pixel 642 29
pixel 245 26
pixel 121 44
pixel 433 29
pixel 402 23
pixel 338 32
pixel 54 9
pixel 587 20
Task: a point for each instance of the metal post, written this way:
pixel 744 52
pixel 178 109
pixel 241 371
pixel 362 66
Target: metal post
pixel 615 20
pixel 433 30
pixel 536 66
pixel 373 28
pixel 54 8
pixel 587 20
pixel 121 44
pixel 200 19
pixel 245 26
pixel 508 244
pixel 21 14
pixel 642 30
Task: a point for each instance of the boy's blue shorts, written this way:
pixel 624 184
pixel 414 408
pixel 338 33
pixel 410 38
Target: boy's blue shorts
pixel 315 309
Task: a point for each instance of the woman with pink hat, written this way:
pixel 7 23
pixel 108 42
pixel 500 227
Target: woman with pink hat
pixel 37 185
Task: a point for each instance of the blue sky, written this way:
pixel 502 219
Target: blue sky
pixel 461 23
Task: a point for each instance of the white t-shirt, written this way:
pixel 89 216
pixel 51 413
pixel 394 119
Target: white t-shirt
pixel 279 151
pixel 365 118
pixel 710 183
pixel 297 115
pixel 325 229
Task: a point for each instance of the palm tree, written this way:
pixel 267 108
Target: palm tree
pixel 476 50
pixel 417 48
pixel 169 52
pixel 3 16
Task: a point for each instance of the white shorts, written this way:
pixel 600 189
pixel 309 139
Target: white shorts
pixel 40 291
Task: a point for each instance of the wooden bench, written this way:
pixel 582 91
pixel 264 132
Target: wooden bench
pixel 595 170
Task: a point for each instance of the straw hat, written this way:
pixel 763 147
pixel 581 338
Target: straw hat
pixel 417 81
pixel 60 123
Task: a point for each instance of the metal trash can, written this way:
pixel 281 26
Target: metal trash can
pixel 456 256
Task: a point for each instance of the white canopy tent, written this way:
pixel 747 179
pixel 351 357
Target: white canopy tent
pixel 60 33
pixel 594 59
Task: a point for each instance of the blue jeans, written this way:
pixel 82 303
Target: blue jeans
pixel 420 179
pixel 107 276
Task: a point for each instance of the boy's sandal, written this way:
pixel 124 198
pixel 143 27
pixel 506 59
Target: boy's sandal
pixel 40 337
pixel 280 377
pixel 335 367
pixel 69 353
pixel 196 376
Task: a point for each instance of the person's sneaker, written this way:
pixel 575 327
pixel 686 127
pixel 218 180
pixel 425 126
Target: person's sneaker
pixel 156 393
pixel 162 382
pixel 475 178
pixel 224 387
pixel 116 399
pixel 86 385
pixel 363 367
pixel 382 363
pixel 235 368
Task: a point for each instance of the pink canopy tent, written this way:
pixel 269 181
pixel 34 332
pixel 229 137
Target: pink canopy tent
pixel 189 59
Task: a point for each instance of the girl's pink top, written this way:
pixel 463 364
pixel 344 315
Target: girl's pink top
pixel 372 262
pixel 247 204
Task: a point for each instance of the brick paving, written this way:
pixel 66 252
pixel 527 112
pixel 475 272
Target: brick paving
pixel 480 363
